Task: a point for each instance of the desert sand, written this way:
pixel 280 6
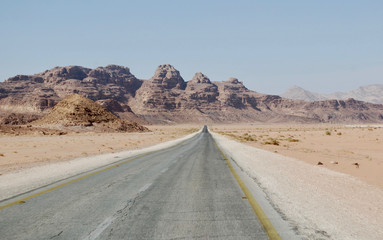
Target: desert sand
pixel 328 144
pixel 337 147
pixel 318 203
pixel 37 149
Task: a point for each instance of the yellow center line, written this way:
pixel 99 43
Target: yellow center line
pixel 88 175
pixel 269 228
pixel 69 182
pixel 80 178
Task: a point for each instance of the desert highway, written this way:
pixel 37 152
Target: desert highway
pixel 187 191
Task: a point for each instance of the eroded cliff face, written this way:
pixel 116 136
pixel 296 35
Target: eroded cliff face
pixel 168 98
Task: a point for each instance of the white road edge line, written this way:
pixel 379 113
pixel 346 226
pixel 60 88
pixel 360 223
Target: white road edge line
pixel 146 186
pixel 100 228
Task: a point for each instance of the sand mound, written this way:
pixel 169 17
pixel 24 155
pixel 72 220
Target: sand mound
pixel 76 110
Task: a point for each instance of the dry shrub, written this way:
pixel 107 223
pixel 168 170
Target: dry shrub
pixel 271 141
pixel 290 139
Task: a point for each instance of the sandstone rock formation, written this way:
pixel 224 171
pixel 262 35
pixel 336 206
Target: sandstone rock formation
pixel 40 92
pixel 121 110
pixel 168 98
pixel 76 110
pixel 166 76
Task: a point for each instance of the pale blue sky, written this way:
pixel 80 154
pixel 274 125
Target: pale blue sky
pixel 323 46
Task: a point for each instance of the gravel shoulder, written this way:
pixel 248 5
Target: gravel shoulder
pixel 320 203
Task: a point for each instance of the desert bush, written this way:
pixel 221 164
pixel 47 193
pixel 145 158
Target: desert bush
pixel 290 139
pixel 328 133
pixel 249 138
pixel 271 141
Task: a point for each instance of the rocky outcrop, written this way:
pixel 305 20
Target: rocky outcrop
pixel 199 78
pixel 114 106
pixel 168 98
pixel 40 92
pixel 18 119
pixel 76 110
pixel 115 75
pixel 166 76
pixel 161 93
pixel 201 93
pixel 59 74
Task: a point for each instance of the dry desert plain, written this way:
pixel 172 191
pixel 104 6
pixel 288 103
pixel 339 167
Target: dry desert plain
pixel 36 149
pixel 338 147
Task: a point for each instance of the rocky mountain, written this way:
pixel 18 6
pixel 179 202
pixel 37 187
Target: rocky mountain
pixel 42 91
pixel 369 93
pixel 299 93
pixel 168 98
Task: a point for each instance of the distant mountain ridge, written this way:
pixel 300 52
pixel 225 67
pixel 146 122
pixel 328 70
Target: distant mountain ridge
pixel 369 93
pixel 168 98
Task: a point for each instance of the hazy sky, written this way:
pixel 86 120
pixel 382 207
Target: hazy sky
pixel 323 46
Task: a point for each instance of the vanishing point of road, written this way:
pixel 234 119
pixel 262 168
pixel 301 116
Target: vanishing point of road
pixel 186 191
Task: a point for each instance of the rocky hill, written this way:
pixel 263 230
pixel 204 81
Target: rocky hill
pixel 168 98
pixel 370 93
pixel 76 110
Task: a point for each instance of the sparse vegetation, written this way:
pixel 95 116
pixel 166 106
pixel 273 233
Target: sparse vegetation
pixel 290 139
pixel 190 130
pixel 243 138
pixel 248 137
pixel 2 155
pixel 271 141
pixel 336 146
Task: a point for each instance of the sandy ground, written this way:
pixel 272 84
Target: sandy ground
pixel 317 202
pixel 22 152
pixel 29 178
pixel 328 144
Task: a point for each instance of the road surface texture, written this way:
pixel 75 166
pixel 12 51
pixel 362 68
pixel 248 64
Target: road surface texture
pixel 183 192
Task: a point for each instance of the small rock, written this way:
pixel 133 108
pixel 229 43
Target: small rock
pixel 319 163
pixel 356 164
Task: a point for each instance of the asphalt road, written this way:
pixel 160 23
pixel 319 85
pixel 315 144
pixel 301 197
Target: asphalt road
pixel 183 192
